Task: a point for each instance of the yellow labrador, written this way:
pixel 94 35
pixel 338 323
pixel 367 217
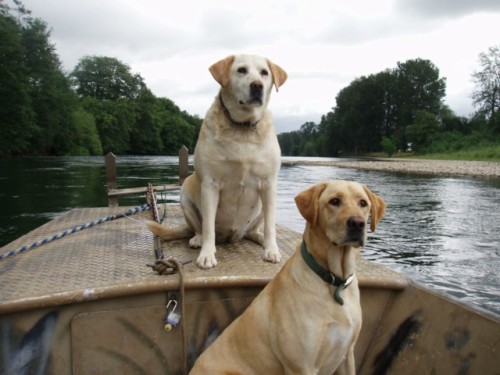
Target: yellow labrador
pixel 236 161
pixel 307 319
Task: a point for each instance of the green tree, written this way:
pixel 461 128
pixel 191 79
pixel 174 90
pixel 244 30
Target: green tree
pixel 290 143
pixel 358 120
pixel 178 128
pixel 110 108
pixel 487 93
pixel 388 146
pixel 17 126
pixel 423 130
pixel 417 87
pixel 85 137
pixel 373 107
pixel 52 99
pixel 115 120
pixel 104 78
pixel 145 136
pixel 36 101
pixel 309 139
pixel 309 149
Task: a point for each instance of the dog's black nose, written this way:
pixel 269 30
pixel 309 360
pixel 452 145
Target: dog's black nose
pixel 256 89
pixel 356 223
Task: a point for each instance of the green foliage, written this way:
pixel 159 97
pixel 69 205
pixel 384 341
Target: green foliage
pixel 388 146
pixel 17 126
pixel 309 149
pixel 145 137
pixel 305 142
pixel 421 133
pixel 290 143
pixel 474 146
pixel 85 138
pixel 356 124
pixel 418 88
pixel 386 112
pixel 52 100
pixel 103 77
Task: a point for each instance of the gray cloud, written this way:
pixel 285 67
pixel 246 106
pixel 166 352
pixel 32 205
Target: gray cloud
pixel 445 8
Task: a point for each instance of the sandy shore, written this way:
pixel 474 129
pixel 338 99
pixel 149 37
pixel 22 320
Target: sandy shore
pixel 441 167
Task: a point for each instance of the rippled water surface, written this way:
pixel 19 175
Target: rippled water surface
pixel 440 231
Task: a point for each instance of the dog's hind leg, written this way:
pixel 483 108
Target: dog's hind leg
pixel 193 219
pixel 256 236
pixel 253 234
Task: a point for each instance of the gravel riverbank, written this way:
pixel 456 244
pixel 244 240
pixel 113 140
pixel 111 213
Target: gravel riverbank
pixel 441 167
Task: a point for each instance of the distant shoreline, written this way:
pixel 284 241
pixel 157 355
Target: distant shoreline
pixel 438 167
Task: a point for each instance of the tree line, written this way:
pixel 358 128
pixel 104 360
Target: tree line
pixel 402 109
pixel 100 106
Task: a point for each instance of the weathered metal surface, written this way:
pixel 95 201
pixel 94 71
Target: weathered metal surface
pixel 88 304
pixel 423 332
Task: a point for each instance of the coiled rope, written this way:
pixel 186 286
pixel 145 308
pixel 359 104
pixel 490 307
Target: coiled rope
pixel 78 228
pixel 169 266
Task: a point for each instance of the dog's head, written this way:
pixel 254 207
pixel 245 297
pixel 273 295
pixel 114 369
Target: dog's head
pixel 341 210
pixel 248 78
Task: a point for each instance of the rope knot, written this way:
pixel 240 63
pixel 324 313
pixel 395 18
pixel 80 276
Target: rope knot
pixel 168 266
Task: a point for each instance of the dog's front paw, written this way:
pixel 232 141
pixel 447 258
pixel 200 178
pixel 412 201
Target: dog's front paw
pixel 206 259
pixel 272 255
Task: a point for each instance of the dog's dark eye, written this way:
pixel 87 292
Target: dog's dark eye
pixel 363 203
pixel 335 202
pixel 264 72
pixel 242 70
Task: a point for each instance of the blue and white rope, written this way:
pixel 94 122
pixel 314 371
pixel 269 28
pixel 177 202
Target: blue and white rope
pixel 78 228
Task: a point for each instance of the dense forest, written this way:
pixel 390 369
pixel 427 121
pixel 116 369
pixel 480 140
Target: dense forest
pixel 402 109
pixel 103 106
pixel 100 106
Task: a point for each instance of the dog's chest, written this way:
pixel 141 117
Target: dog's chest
pixel 239 165
pixel 241 183
pixel 343 330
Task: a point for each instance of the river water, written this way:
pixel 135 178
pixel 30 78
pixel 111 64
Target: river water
pixel 441 231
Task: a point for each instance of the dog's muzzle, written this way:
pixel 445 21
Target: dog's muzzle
pixel 356 230
pixel 256 93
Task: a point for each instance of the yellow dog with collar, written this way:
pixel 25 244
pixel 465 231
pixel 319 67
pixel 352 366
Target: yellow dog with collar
pixel 308 318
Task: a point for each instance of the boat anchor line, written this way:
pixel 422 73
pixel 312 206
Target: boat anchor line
pixel 78 228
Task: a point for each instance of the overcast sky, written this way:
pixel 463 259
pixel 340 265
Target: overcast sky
pixel 323 45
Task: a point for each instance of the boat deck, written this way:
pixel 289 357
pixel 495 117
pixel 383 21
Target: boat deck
pixel 88 303
pixel 110 260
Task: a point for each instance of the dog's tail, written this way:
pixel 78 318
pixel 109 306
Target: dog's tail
pixel 175 233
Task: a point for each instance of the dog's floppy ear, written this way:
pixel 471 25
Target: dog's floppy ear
pixel 308 202
pixel 378 208
pixel 221 70
pixel 279 75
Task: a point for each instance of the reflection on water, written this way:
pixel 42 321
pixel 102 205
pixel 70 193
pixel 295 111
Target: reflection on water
pixel 441 231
